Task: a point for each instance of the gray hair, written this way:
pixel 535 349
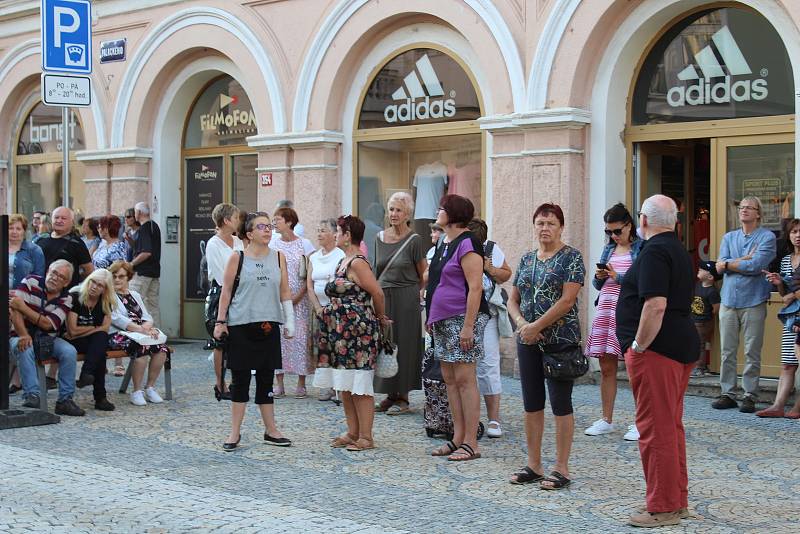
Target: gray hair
pixel 757 202
pixel 142 207
pixel 405 200
pixel 661 211
pixel 329 223
pixel 62 263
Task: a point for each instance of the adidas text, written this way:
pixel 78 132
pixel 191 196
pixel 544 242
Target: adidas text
pixel 426 109
pixel 718 93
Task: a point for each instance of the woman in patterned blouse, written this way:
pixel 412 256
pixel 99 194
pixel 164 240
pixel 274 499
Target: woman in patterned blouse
pixel 544 307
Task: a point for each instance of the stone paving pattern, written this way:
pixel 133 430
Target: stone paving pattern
pixel 160 469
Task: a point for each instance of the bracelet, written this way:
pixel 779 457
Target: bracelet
pixel 220 322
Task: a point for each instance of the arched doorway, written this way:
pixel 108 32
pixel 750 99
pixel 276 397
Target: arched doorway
pixel 37 180
pixel 417 132
pixel 711 120
pixel 218 167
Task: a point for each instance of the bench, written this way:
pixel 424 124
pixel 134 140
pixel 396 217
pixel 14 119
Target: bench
pixel 110 355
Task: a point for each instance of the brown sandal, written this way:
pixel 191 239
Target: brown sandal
pixel 340 442
pixel 361 444
pixel 385 404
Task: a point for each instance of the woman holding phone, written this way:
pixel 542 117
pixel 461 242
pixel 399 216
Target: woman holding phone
pixel 622 249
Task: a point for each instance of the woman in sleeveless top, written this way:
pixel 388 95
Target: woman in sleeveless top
pixel 349 336
pixel 251 322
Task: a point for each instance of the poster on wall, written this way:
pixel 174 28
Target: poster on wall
pixel 204 190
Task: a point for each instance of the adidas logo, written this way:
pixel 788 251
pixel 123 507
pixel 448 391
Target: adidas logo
pixel 411 109
pixel 703 92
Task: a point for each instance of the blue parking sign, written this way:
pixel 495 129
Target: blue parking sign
pixel 67 36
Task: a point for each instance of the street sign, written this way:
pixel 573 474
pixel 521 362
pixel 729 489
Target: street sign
pixel 67 36
pixel 113 50
pixel 66 90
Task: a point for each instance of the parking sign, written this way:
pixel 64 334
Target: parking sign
pixel 67 36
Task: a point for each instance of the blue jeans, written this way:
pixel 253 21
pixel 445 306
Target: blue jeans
pixel 63 352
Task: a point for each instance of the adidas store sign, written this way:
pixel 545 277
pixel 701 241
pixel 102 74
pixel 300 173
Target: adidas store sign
pixel 707 90
pixel 417 104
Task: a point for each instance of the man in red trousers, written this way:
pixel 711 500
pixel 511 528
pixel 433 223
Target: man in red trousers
pixel 661 345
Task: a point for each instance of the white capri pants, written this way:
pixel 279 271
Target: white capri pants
pixel 488 368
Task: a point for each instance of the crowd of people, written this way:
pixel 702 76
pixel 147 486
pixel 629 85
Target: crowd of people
pixel 279 304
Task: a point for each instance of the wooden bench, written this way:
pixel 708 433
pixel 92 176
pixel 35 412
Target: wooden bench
pixel 110 355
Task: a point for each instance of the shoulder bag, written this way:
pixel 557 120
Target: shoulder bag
pixel 212 300
pixel 42 342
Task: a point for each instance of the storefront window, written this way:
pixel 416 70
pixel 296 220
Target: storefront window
pixel 716 64
pixel 245 181
pixel 766 172
pixel 222 116
pixel 38 162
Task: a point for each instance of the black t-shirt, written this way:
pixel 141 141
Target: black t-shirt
pixel 69 248
pixel 148 239
pixel 703 302
pixel 86 317
pixel 662 269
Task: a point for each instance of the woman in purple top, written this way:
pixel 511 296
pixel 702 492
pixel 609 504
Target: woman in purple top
pixel 457 316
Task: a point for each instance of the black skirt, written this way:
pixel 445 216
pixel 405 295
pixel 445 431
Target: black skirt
pixel 250 347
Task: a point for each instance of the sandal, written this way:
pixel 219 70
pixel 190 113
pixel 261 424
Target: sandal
pixel 767 413
pixel 385 404
pixel 526 475
pixel 399 407
pixel 119 370
pixel 467 454
pixel 557 480
pixel 445 450
pixel 300 392
pixel 340 442
pixel 361 444
pixel 792 415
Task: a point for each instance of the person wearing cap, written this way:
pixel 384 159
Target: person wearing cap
pixel 705 306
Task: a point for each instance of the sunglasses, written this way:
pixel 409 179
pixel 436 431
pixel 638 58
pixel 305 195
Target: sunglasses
pixel 617 232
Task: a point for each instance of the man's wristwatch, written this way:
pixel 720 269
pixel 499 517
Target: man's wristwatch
pixel 637 348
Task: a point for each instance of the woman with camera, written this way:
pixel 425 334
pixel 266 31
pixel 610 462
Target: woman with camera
pixel 255 300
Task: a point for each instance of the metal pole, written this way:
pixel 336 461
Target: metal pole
pixel 65 142
pixel 4 327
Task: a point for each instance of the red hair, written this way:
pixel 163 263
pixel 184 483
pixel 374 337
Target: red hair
pixel 549 209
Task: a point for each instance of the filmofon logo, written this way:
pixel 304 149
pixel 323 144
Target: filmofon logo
pixel 725 90
pixel 429 107
pixel 232 119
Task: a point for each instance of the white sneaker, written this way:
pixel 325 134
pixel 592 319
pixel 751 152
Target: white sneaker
pixel 632 434
pixel 599 427
pixel 493 429
pixel 137 398
pixel 153 396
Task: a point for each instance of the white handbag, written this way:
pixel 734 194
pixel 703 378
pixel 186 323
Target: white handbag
pixel 386 363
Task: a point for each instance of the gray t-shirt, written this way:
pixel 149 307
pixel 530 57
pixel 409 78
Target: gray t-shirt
pixel 258 297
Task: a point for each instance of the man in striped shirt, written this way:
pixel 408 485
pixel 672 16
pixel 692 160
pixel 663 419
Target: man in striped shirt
pixel 43 304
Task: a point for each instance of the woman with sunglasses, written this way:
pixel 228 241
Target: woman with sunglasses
pixel 622 249
pixel 251 320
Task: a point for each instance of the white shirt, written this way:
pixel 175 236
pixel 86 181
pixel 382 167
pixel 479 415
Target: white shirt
pixel 430 181
pixel 323 270
pixel 217 254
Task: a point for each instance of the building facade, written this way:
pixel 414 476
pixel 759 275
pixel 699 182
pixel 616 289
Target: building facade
pixel 336 104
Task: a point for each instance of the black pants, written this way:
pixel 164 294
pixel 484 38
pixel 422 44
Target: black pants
pixel 531 376
pixel 240 386
pixel 94 347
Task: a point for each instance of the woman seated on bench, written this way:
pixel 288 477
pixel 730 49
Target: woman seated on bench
pixel 131 315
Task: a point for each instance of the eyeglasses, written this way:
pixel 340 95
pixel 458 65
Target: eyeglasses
pixel 56 274
pixel 748 208
pixel 263 226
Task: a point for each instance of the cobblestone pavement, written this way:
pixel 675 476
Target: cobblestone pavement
pixel 160 469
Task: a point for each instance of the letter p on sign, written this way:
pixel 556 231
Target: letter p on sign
pixel 62 14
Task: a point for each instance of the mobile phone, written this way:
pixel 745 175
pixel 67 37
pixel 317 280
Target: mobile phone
pixel 603 266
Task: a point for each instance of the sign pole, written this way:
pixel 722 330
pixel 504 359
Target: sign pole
pixel 65 142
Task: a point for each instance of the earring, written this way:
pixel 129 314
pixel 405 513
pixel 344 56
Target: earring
pixel 347 243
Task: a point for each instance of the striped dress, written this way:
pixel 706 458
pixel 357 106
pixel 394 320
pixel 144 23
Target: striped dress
pixel 787 338
pixel 603 337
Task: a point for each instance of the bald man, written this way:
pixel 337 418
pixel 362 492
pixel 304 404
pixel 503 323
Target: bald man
pixel 64 244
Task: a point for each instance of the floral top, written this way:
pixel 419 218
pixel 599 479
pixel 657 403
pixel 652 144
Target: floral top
pixel 540 284
pixel 107 254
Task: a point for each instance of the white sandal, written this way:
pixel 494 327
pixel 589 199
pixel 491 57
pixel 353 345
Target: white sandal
pixel 494 431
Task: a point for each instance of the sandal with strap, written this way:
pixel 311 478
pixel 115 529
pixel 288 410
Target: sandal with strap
pixel 526 475
pixel 385 404
pixel 361 444
pixel 557 480
pixel 467 454
pixel 340 442
pixel 445 450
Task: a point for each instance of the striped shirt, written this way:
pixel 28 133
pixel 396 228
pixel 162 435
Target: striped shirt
pixel 33 291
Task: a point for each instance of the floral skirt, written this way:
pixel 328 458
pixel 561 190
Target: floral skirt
pixel 134 350
pixel 447 339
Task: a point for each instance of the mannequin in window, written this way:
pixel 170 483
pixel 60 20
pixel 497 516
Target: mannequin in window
pixel 430 182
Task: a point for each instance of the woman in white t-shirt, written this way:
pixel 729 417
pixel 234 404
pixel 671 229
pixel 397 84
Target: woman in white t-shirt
pixel 218 249
pixel 321 270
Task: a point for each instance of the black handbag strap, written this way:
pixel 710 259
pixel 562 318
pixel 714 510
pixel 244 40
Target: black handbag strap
pixel 233 293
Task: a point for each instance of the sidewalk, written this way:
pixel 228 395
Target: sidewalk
pixel 160 469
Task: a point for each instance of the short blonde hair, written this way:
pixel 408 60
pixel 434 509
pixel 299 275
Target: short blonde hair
pixel 18 218
pixel 404 199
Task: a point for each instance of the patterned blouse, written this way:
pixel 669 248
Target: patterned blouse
pixel 107 254
pixel 540 284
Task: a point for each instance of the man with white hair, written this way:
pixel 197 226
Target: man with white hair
pixel 147 260
pixel 744 255
pixel 661 345
pixel 64 244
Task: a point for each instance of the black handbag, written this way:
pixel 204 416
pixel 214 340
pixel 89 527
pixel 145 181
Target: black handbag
pixel 43 344
pixel 563 361
pixel 212 299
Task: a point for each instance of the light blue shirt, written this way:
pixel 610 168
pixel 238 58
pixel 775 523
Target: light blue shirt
pixel 747 287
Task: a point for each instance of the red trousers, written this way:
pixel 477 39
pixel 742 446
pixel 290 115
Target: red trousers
pixel 659 384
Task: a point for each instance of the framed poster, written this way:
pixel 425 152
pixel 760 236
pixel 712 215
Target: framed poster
pixel 204 190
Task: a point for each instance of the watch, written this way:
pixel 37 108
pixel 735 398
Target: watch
pixel 637 348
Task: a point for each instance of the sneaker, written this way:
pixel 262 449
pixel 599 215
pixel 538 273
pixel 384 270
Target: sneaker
pixel 632 434
pixel 68 407
pixel 84 380
pixel 599 427
pixel 137 398
pixel 748 405
pixel 326 394
pixel 650 519
pixel 103 405
pixel 153 396
pixel 698 372
pixel 31 401
pixel 724 402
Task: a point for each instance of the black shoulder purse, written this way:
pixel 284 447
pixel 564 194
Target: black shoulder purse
pixel 42 342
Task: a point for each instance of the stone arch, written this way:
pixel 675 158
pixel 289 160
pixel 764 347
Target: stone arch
pixel 370 24
pixel 169 47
